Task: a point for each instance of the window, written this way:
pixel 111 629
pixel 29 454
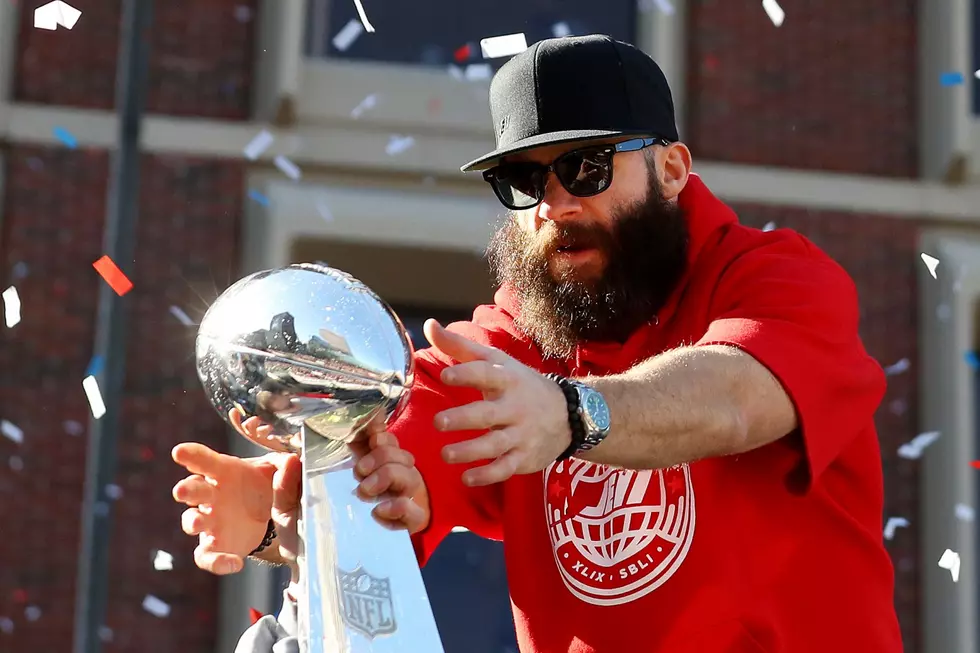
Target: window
pixel 404 33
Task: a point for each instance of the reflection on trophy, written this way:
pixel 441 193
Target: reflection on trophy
pixel 317 355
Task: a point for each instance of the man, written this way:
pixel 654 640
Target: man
pixel 667 416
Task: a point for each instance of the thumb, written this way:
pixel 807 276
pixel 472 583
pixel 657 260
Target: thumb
pixel 287 483
pixel 454 345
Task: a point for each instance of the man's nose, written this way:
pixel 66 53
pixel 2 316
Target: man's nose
pixel 558 204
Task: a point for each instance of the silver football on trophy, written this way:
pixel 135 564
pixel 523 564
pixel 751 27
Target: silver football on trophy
pixel 304 346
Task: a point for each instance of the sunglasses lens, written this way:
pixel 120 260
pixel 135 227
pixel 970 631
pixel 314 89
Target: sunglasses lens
pixel 585 172
pixel 519 186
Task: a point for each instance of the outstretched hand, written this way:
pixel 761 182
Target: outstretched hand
pixel 525 412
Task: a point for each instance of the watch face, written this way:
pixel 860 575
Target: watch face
pixel 597 410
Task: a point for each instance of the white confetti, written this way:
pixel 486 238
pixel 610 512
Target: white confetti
pixel 774 11
pixel 56 13
pixel 913 450
pixel 12 431
pixel 951 561
pixel 977 74
pixel 72 427
pixel 259 144
pixel 366 104
pixel 893 523
pixel 16 463
pixel 91 387
pixel 288 168
pixel 155 606
pixel 897 406
pixel 181 315
pixel 323 208
pixel 456 72
pixel 944 312
pixel 6 625
pixel 931 263
pixel 398 144
pixel 665 7
pixel 898 368
pixel 20 270
pixel 769 226
pixel 32 613
pixel 243 13
pixel 346 36
pixel 561 30
pixel 477 71
pixel 360 12
pixel 503 46
pixel 11 307
pixel 965 512
pixel 106 634
pixel 113 491
pixel 163 561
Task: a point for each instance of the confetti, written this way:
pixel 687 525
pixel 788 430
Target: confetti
pixel 113 491
pixel 463 52
pixel 897 368
pixel 478 71
pixel 913 450
pixel 367 103
pixel 965 512
pixel 951 79
pixel 163 561
pixel 12 431
pixel 72 427
pixel 181 316
pixel 258 197
pixel 561 30
pixel 91 387
pixel 398 144
pixel 977 74
pixel 769 226
pixel 106 634
pixel 6 625
pixel 503 46
pixel 931 263
pixel 951 561
pixel 20 270
pixel 243 13
pixel 65 137
pixel 774 11
pixel 324 209
pixel 360 12
pixel 11 307
pixel 115 277
pixel 897 406
pixel 665 7
pixel 95 366
pixel 944 312
pixel 32 613
pixel 16 463
pixel 456 72
pixel 56 13
pixel 975 464
pixel 346 36
pixel 259 144
pixel 155 606
pixel 893 523
pixel 971 359
pixel 288 168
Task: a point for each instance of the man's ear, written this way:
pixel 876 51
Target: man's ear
pixel 674 169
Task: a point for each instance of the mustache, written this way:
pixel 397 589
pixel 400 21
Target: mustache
pixel 571 235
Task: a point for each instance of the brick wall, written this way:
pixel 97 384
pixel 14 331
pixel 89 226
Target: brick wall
pixel 53 211
pixel 834 88
pixel 885 275
pixel 200 58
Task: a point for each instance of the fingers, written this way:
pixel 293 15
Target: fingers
pixel 252 428
pixel 194 522
pixel 199 459
pixel 401 514
pixel 381 456
pixel 287 483
pixel 479 415
pixel 216 562
pixel 456 346
pixel 480 374
pixel 383 439
pixel 194 491
pixel 486 447
pixel 496 472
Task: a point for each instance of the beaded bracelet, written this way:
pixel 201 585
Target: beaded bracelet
pixel 270 534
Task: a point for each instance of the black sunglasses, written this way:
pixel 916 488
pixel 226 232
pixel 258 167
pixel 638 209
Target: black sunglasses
pixel 583 172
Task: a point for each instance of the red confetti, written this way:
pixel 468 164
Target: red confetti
pixel 146 454
pixel 113 276
pixel 254 615
pixel 462 54
pixel 20 596
pixel 975 464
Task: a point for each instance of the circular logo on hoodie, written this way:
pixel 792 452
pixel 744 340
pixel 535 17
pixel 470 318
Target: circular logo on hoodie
pixel 617 534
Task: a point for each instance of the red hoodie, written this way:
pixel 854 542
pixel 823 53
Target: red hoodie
pixel 778 550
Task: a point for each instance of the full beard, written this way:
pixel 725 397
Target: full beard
pixel 645 255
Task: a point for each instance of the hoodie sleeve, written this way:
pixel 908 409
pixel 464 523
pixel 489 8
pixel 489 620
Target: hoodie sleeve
pixel 271 635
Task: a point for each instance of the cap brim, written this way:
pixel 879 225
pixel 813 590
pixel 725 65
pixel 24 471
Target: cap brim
pixel 540 140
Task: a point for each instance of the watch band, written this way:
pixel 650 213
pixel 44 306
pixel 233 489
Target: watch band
pixel 574 418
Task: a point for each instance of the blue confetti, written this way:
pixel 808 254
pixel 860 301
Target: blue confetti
pixel 95 366
pixel 972 360
pixel 258 197
pixel 66 137
pixel 951 79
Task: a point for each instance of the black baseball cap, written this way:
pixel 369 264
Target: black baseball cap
pixel 576 88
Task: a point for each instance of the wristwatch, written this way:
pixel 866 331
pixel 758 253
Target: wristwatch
pixel 588 415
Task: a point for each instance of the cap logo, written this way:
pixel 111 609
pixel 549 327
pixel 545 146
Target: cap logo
pixel 503 125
